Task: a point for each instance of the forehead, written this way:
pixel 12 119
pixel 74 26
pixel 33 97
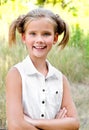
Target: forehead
pixel 40 23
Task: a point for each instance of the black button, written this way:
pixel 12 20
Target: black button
pixel 43 102
pixel 42 115
pixel 56 92
pixel 43 90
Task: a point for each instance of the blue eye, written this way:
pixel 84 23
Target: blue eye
pixel 47 34
pixel 32 33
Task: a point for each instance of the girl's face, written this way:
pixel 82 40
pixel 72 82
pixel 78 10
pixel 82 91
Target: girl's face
pixel 39 37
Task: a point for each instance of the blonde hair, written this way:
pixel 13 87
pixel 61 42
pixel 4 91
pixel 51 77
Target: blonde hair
pixel 60 26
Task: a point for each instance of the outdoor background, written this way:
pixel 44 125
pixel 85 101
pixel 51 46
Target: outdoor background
pixel 73 61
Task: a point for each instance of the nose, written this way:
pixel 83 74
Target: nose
pixel 39 39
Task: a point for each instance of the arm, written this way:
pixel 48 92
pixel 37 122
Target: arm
pixel 66 119
pixel 14 108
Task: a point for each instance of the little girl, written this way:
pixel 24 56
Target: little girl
pixel 37 94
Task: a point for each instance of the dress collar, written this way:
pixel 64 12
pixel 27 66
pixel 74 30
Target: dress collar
pixel 31 70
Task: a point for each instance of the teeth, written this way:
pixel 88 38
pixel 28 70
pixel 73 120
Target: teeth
pixel 39 47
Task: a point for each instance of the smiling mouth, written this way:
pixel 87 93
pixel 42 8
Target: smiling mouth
pixel 39 47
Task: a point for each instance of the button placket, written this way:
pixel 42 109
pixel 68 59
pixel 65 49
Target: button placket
pixel 43 101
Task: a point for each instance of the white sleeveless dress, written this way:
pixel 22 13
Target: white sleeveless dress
pixel 41 96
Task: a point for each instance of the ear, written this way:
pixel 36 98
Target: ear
pixel 23 38
pixel 55 38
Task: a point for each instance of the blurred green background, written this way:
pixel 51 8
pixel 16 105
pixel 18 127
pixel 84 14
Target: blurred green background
pixel 73 61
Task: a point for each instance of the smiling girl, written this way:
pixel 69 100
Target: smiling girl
pixel 37 94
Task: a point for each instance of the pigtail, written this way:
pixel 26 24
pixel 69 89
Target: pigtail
pixel 65 38
pixel 12 33
pixel 18 25
pixel 62 27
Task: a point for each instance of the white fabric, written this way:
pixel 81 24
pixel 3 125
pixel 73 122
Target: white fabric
pixel 41 96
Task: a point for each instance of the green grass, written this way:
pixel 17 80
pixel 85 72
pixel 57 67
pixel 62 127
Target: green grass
pixel 80 93
pixel 71 62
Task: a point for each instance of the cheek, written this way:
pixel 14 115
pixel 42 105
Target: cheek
pixel 50 43
pixel 50 40
pixel 29 40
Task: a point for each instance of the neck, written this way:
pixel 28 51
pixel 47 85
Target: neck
pixel 40 65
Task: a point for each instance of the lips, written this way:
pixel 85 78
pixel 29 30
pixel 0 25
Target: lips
pixel 39 47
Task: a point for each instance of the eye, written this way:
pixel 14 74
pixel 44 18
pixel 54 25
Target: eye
pixel 46 34
pixel 32 33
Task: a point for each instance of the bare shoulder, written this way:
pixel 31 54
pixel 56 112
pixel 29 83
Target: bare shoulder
pixel 13 78
pixel 13 74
